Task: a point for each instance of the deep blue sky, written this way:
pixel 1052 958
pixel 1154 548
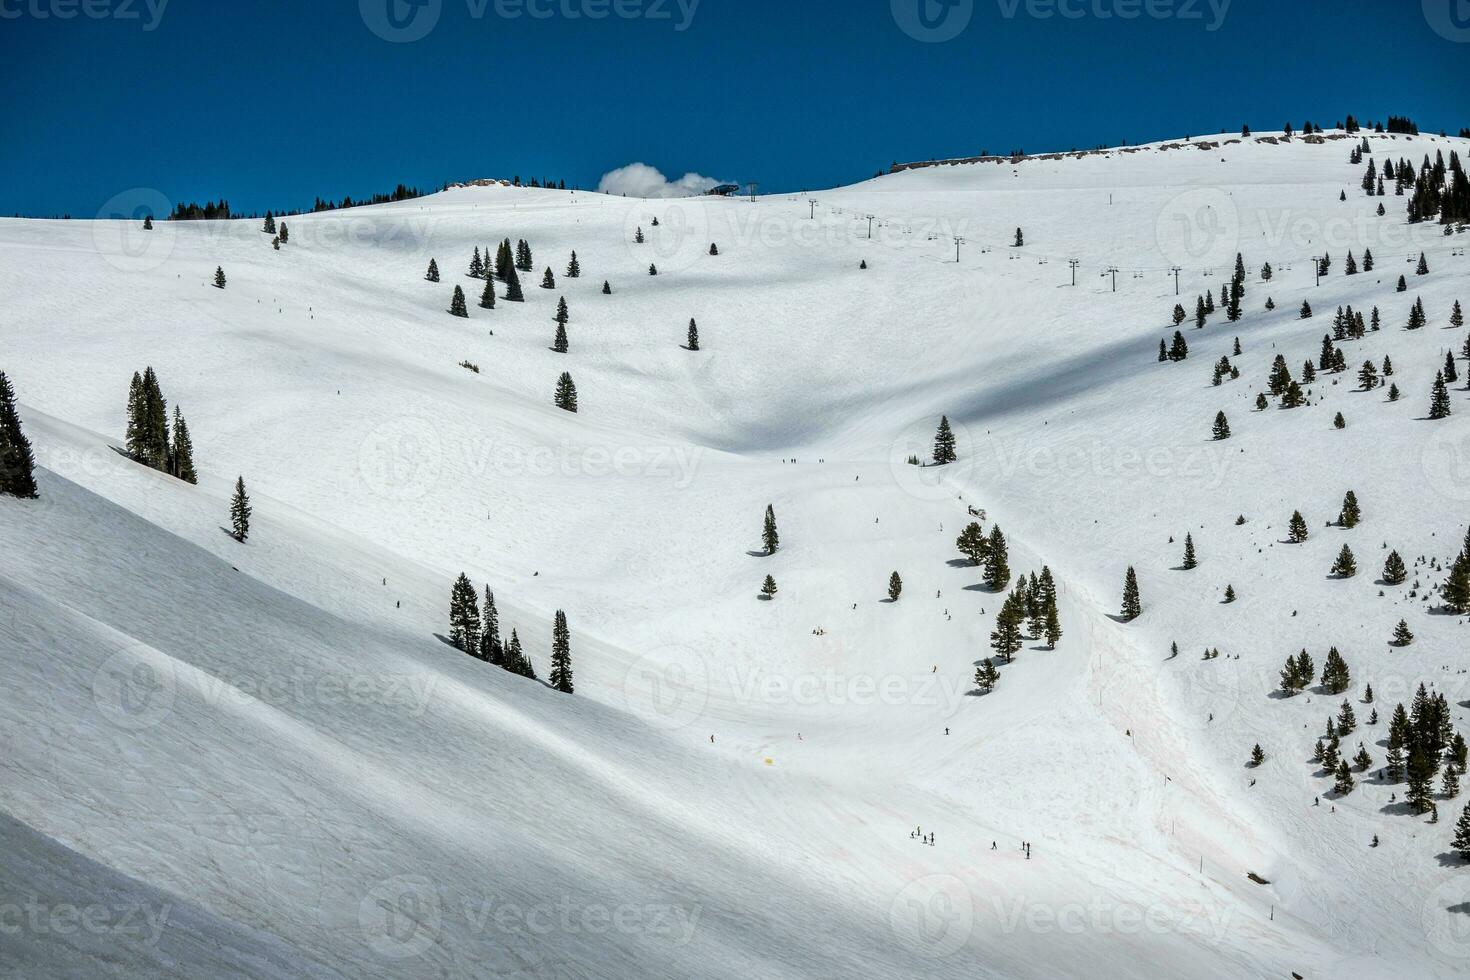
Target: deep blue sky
pixel 270 103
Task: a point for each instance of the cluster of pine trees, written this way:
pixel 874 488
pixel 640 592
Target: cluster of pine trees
pixel 1441 190
pixel 477 633
pixel 1029 612
pixel 17 463
pixel 1422 744
pixel 149 440
pixel 1455 592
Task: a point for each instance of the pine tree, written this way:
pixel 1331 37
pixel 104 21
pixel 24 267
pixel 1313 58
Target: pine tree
pixel 574 268
pixel 566 393
pixel 523 256
pixel 1423 268
pixel 1368 376
pixel 1403 286
pixel 1394 572
pixel 1402 636
pixel 1344 784
pixel 768 588
pixel 1450 374
pixel 1439 399
pixel 456 303
pixel 972 543
pixel 490 650
pixel 433 274
pixel 1421 768
pixel 1461 841
pixel 1393 392
pixel 1345 566
pixel 652 269
pixel 219 277
pixel 181 455
pixel 285 235
pixel 1261 403
pixel 1020 239
pixel 1280 378
pixel 1051 626
pixel 1163 352
pixel 148 222
pixel 1293 397
pixel 561 654
pixel 638 236
pixel 513 292
pixel 503 262
pixel 240 511
pixel 154 422
pixel 476 268
pixel 17 462
pixel 944 443
pixel 1200 313
pixel 1189 560
pixel 1178 350
pixel 1362 759
pixel 1005 639
pixel 1296 528
pixel 464 616
pixel 1179 314
pixel 1336 676
pixel 559 344
pixel 1229 594
pixel 1338 422
pixel 1347 720
pixel 1306 312
pixel 986 677
pixel 606 288
pixel 1221 428
pixel 997 560
pixel 1350 514
pixel 548 281
pixel 770 536
pixel 270 224
pixel 487 295
pixel 1132 607
pixel 714 249
pixel 895 587
pixel 1257 756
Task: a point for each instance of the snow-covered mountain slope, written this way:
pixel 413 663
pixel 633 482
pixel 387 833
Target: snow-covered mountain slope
pixel 259 743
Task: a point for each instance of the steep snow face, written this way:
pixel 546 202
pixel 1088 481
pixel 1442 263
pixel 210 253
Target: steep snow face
pixel 266 748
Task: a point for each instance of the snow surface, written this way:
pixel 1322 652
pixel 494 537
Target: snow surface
pixel 255 747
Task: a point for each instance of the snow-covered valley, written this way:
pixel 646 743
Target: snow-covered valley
pixel 263 758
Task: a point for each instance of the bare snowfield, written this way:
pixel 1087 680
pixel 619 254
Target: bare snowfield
pixel 250 760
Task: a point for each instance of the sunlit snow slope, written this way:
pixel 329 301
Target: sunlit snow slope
pixel 250 759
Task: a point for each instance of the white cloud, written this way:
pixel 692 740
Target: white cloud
pixel 641 180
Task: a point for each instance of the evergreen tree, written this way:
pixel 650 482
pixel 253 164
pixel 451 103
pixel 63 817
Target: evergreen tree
pixel 1280 378
pixel 895 586
pixel 523 256
pixel 270 224
pixel 652 269
pixel 1178 350
pixel 548 281
pixel 240 511
pixel 148 222
pixel 1221 428
pixel 574 268
pixel 181 455
pixel 1338 422
pixel 1421 768
pixel 490 649
pixel 1439 399
pixel 1345 566
pixel 1344 784
pixel 1394 572
pixel 456 303
pixel 1132 607
pixel 1306 312
pixel 464 616
pixel 433 274
pixel 1347 720
pixel 714 249
pixel 487 295
pixel 1020 239
pixel 1293 396
pixel 513 292
pixel 770 536
pixel 559 344
pixel 1163 352
pixel 1200 312
pixel 606 288
pixel 219 277
pixel 1403 286
pixel 972 543
pixel 944 443
pixel 768 588
pixel 1296 528
pixel 1393 392
pixel 1423 268
pixel 285 235
pixel 1457 318
pixel 1179 314
pixel 503 262
pixel 1051 626
pixel 566 393
pixel 1402 636
pixel 638 236
pixel 17 463
pixel 1368 376
pixel 986 677
pixel 1350 514
pixel 1257 756
pixel 561 653
pixel 1461 840
pixel 476 269
pixel 1362 760
pixel 1189 560
pixel 1261 403
pixel 1229 594
pixel 693 338
pixel 1450 374
pixel 1336 676
pixel 154 422
pixel 1005 639
pixel 997 560
pixel 562 314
